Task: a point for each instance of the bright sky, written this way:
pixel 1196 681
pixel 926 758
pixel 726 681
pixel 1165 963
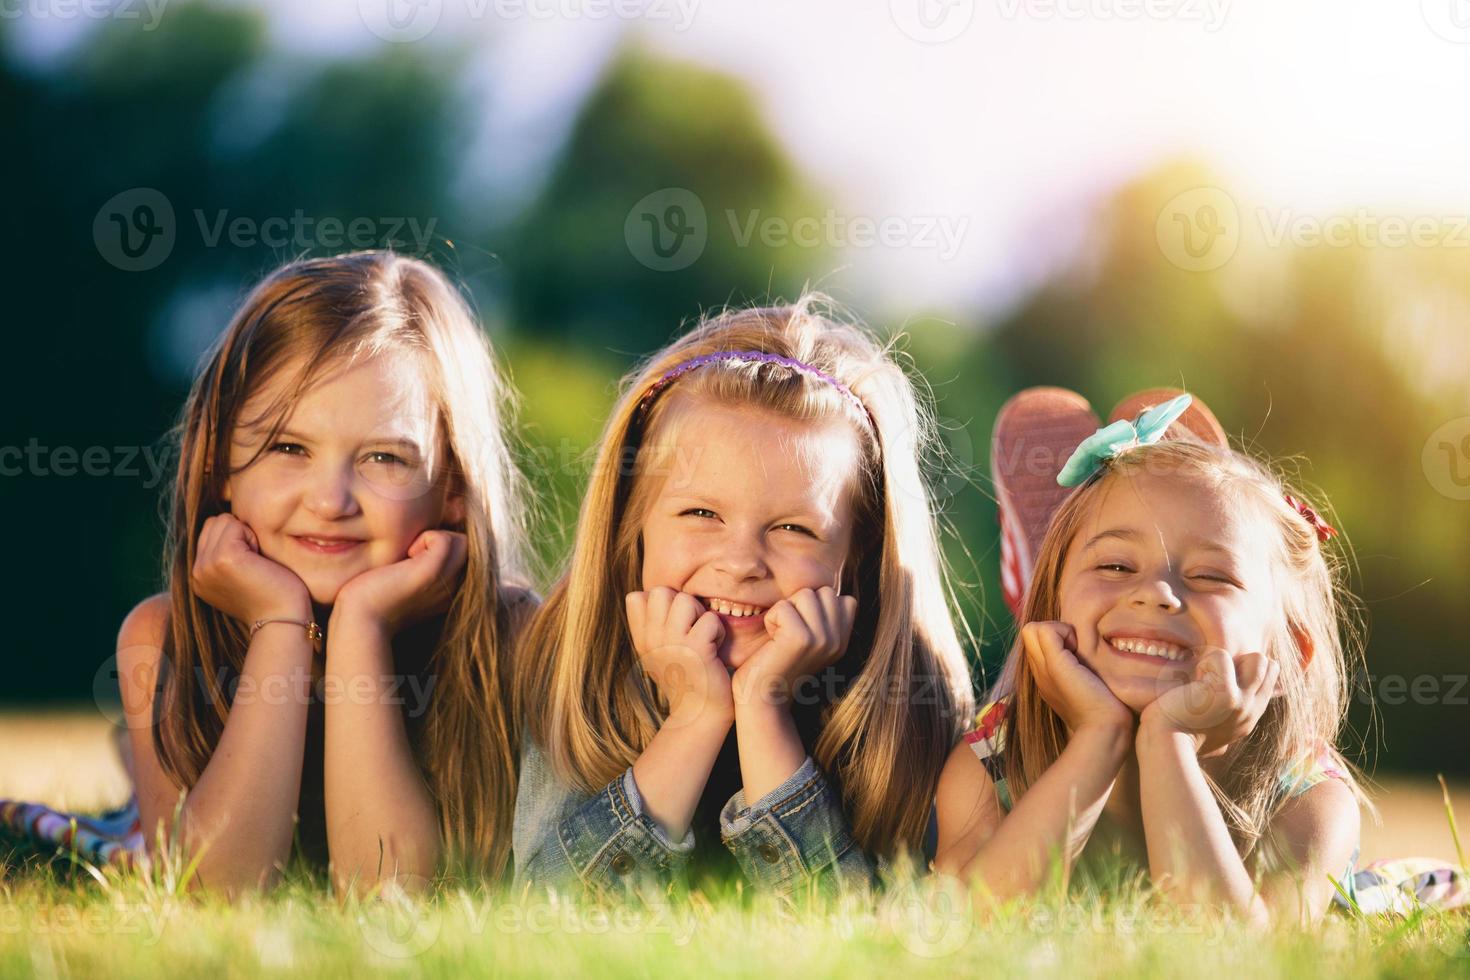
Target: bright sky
pixel 1004 133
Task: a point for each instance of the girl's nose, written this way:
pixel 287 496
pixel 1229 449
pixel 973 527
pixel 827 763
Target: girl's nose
pixel 741 560
pixel 330 495
pixel 1156 591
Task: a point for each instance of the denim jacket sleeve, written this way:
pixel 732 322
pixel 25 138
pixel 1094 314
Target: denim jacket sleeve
pixel 795 834
pixel 605 841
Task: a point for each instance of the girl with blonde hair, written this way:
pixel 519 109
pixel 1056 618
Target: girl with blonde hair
pixel 752 644
pixel 1176 688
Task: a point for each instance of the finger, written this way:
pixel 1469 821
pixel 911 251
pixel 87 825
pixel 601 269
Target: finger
pixel 708 629
pixel 1250 669
pixel 847 616
pixel 455 548
pixel 1052 638
pixel 831 619
pixel 1035 656
pixel 1272 682
pixel 786 626
pixel 1217 669
pixel 207 531
pixel 684 611
pixel 636 603
pixel 814 616
pixel 659 601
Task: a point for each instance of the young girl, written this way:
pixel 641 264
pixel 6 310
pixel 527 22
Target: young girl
pixel 1175 690
pixel 752 645
pixel 344 545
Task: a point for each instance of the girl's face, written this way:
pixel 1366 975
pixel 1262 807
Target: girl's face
pixel 753 507
pixel 351 479
pixel 1164 566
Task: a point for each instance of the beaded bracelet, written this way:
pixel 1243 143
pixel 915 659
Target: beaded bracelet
pixel 313 631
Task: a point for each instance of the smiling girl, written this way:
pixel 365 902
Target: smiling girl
pixel 751 652
pixel 1175 691
pixel 344 546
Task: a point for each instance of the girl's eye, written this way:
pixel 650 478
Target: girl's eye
pixel 697 512
pixel 287 448
pixel 1215 578
pixel 798 528
pixel 388 458
pixel 1114 567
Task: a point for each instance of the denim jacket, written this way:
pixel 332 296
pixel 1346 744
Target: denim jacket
pixel 795 834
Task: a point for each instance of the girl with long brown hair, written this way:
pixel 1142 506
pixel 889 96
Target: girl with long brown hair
pixel 345 566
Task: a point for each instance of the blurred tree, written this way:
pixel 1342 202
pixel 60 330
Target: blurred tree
pixel 653 125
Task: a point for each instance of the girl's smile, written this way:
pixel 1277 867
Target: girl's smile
pixel 327 545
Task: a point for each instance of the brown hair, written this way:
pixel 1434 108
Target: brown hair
pixel 1315 605
pixel 325 313
pixel 907 699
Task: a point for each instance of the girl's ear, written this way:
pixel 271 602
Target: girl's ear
pixel 454 508
pixel 1304 644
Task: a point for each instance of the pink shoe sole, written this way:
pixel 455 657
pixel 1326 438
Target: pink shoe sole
pixel 1035 431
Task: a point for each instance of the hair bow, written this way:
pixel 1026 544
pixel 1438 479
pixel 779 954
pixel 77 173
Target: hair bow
pixel 1323 529
pixel 1121 435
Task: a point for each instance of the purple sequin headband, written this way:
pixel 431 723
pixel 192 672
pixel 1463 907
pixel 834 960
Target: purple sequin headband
pixel 748 357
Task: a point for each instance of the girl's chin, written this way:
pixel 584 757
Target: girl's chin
pixel 1138 692
pixel 734 651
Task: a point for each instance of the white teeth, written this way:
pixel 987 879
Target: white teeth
pixel 735 609
pixel 1164 651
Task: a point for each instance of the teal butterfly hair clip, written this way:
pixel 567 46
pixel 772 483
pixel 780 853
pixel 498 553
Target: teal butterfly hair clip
pixel 1122 435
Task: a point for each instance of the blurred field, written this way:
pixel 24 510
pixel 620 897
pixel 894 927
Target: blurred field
pixel 65 758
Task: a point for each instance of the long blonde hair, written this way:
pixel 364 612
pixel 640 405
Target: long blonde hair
pixel 1315 606
pixel 326 313
pixel 907 699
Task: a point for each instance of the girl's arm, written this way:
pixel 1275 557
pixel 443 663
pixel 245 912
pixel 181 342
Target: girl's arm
pixel 609 842
pixel 1192 855
pixel 239 815
pixel 787 826
pixel 1055 816
pixel 382 823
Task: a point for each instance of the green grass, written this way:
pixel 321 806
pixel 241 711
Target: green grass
pixel 56 922
pixel 1102 918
